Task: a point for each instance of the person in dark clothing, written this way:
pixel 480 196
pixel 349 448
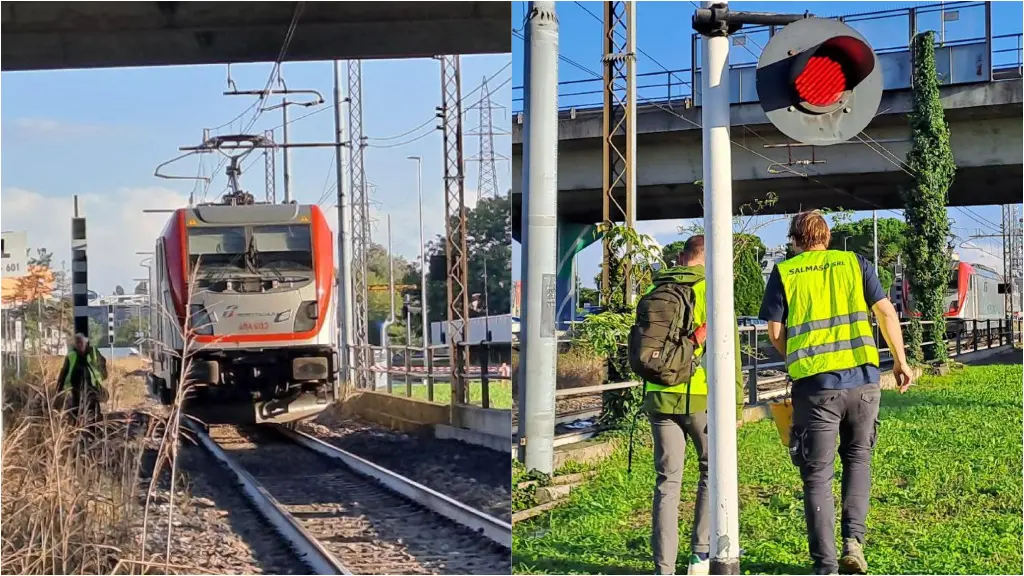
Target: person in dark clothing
pixel 818 306
pixel 82 375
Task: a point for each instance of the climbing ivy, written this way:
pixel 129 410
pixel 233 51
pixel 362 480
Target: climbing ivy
pixel 931 164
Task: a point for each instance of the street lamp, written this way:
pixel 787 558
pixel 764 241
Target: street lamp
pixel 423 259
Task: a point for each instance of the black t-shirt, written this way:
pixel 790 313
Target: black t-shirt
pixel 774 308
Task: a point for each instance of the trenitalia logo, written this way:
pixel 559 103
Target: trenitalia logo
pixel 230 311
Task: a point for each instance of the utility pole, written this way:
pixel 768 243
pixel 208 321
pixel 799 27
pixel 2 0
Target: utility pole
pixel 619 143
pixel 423 264
pixel 455 227
pixel 487 181
pixel 360 226
pixel 540 240
pixel 287 152
pixel 717 170
pixel 344 233
pixel 270 170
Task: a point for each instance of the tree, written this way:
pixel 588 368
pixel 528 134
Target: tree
pixel 488 237
pixel 858 237
pixel 930 162
pixel 671 251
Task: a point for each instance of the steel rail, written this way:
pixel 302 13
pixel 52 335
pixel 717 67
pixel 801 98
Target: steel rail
pixel 494 529
pixel 306 547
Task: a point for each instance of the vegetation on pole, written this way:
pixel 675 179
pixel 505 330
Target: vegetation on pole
pixel 930 162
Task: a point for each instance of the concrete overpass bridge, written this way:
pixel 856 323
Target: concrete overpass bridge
pixel 65 35
pixel 981 93
pixel 986 136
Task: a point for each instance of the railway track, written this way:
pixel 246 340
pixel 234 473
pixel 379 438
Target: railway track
pixel 345 515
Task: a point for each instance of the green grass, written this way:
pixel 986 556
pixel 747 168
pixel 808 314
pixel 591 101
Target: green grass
pixel 946 494
pixel 500 392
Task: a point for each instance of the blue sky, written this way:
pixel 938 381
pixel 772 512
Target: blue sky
pixel 664 34
pixel 101 134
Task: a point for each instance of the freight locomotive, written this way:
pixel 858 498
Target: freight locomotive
pixel 244 293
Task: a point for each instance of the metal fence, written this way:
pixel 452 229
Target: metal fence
pixel 763 369
pixel 966 52
pixel 415 372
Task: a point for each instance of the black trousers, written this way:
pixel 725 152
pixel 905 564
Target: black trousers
pixel 818 418
pixel 85 404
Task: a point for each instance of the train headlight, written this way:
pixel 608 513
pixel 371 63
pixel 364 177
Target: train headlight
pixel 305 317
pixel 200 322
pixel 310 368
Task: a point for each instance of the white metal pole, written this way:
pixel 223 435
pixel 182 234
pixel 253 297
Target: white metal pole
pixel 874 235
pixel 344 234
pixel 287 152
pixel 540 240
pixel 630 9
pixel 423 265
pixel 721 320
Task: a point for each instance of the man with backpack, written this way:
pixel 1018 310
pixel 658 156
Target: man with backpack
pixel 666 349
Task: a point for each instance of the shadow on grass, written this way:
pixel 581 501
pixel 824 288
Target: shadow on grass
pixel 1008 358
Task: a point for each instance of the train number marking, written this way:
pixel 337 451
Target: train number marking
pixel 253 326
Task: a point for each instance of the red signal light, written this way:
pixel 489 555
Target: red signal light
pixel 821 82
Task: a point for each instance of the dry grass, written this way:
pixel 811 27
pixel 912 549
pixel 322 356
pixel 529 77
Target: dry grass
pixel 576 369
pixel 73 497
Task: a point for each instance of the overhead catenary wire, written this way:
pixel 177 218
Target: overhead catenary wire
pixel 275 72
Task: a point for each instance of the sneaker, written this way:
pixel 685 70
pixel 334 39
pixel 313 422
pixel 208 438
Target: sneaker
pixel 853 561
pixel 699 564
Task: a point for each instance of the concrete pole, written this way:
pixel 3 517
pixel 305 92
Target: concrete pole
pixel 287 152
pixel 540 241
pixel 874 236
pixel 344 231
pixel 721 319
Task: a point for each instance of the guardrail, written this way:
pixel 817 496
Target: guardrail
pixel 962 56
pixel 972 335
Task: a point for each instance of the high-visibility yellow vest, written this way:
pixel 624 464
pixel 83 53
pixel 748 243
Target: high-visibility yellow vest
pixel 828 325
pixel 92 364
pixel 698 383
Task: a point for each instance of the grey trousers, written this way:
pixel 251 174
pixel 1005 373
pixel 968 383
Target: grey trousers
pixel 818 417
pixel 670 432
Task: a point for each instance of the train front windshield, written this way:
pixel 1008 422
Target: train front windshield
pixel 251 249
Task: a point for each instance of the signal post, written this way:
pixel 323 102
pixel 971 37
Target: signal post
pixel 819 82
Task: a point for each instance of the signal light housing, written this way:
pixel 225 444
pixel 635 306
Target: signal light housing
pixel 819 81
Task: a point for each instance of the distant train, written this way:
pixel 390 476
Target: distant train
pixel 974 292
pixel 253 285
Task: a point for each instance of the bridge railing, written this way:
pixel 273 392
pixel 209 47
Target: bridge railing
pixel 966 52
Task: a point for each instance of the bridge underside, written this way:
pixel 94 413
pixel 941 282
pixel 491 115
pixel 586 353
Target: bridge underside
pixel 986 135
pixel 65 35
pixel 973 186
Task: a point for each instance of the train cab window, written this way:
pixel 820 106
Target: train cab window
pixel 217 247
pixel 283 247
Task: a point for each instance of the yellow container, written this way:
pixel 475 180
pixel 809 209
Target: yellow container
pixel 782 413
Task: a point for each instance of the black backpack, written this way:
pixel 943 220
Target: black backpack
pixel 661 346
